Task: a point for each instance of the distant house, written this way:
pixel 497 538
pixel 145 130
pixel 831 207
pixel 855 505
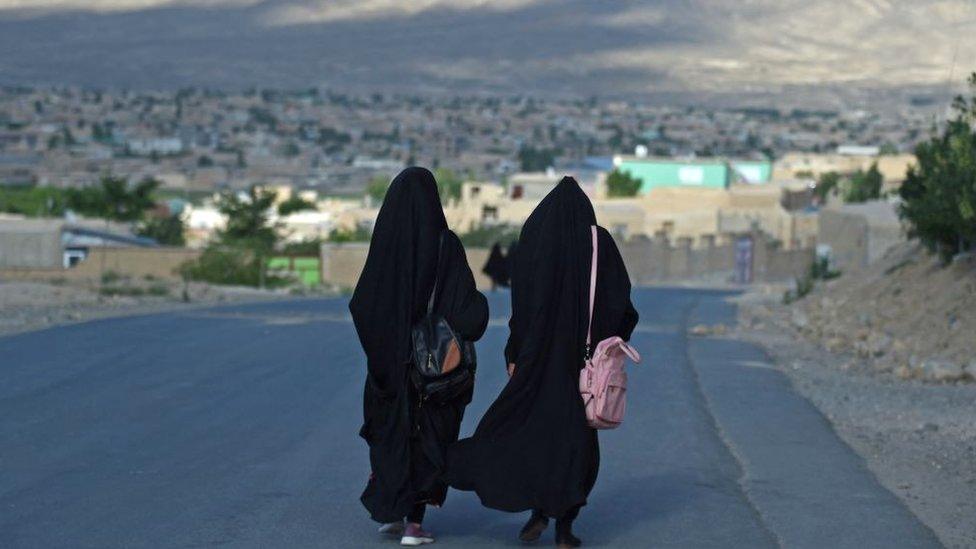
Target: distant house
pixel 715 173
pixel 51 243
pixel 155 145
pixel 18 169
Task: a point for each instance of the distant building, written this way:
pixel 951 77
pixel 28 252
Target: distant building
pixel 157 145
pixel 714 173
pixel 52 243
pixel 804 165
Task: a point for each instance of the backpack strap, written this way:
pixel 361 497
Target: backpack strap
pixel 589 322
pixel 437 268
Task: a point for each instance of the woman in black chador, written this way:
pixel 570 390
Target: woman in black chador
pixel 408 439
pixel 496 267
pixel 533 450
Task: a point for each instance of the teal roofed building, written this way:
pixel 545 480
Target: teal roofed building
pixel 714 173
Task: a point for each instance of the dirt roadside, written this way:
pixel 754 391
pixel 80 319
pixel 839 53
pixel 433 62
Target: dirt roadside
pixel 918 437
pixel 27 306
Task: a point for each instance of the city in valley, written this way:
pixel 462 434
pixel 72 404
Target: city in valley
pixel 191 192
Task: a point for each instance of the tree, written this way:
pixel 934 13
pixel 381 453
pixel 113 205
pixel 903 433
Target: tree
pixel 164 230
pixel 826 185
pixel 113 199
pixel 448 183
pixel 242 249
pixel 248 220
pixel 939 192
pixel 295 204
pixel 376 188
pixel 622 184
pixel 535 160
pixel 123 204
pixel 864 186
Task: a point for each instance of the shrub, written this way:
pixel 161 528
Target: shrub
pixel 939 192
pixel 622 184
pixel 224 265
pixel 864 186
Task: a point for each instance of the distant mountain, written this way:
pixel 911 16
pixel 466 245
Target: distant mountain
pixel 653 48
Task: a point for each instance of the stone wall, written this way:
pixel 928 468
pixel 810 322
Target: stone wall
pixel 129 262
pixel 32 249
pixel 342 263
pixel 649 261
pixel 859 234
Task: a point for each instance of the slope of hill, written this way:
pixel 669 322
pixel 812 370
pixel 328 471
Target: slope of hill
pixel 572 47
pixel 907 314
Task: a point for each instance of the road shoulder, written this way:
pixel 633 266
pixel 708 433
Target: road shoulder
pixel 918 439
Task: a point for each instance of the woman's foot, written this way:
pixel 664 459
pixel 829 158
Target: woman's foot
pixel 567 540
pixel 413 535
pixel 391 529
pixel 534 527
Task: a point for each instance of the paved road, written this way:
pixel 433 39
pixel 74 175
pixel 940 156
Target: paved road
pixel 237 427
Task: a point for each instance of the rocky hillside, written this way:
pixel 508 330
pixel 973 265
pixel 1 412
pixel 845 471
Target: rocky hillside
pixel 787 47
pixel 907 314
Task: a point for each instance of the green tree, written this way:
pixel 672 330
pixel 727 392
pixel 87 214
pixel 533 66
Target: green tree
pixel 241 251
pixel 939 192
pixel 827 184
pixel 113 198
pixel 864 185
pixel 376 188
pixel 622 184
pixel 165 230
pixel 295 204
pixel 248 220
pixel 448 183
pixel 532 159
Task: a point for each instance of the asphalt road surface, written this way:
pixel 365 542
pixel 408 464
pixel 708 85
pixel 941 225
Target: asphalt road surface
pixel 237 427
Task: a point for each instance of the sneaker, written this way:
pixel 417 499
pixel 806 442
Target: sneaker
pixel 413 535
pixel 392 529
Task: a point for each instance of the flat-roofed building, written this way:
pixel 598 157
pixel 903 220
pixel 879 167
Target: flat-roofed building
pixel 710 173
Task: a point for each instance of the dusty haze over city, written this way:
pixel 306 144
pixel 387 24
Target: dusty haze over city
pixel 814 53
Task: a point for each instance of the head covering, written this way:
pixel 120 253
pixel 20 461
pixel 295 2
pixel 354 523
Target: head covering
pixel 399 272
pixel 533 448
pixel 410 247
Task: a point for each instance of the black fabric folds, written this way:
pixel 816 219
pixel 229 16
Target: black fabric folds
pixel 533 448
pixel 407 441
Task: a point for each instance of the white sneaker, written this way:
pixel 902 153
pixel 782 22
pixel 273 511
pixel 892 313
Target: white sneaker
pixel 413 536
pixel 391 529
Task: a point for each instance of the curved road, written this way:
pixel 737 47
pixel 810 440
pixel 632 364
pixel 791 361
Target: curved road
pixel 236 427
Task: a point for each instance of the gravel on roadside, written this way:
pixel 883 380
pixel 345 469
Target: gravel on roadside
pixel 918 438
pixel 26 306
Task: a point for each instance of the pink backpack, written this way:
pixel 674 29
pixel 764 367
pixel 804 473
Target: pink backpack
pixel 603 381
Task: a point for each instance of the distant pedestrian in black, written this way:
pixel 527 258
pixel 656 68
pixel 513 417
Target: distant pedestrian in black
pixel 407 441
pixel 496 267
pixel 533 449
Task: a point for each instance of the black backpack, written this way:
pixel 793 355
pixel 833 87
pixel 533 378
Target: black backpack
pixel 443 363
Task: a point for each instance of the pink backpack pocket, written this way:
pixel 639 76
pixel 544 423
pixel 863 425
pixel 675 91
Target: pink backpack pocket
pixel 603 381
